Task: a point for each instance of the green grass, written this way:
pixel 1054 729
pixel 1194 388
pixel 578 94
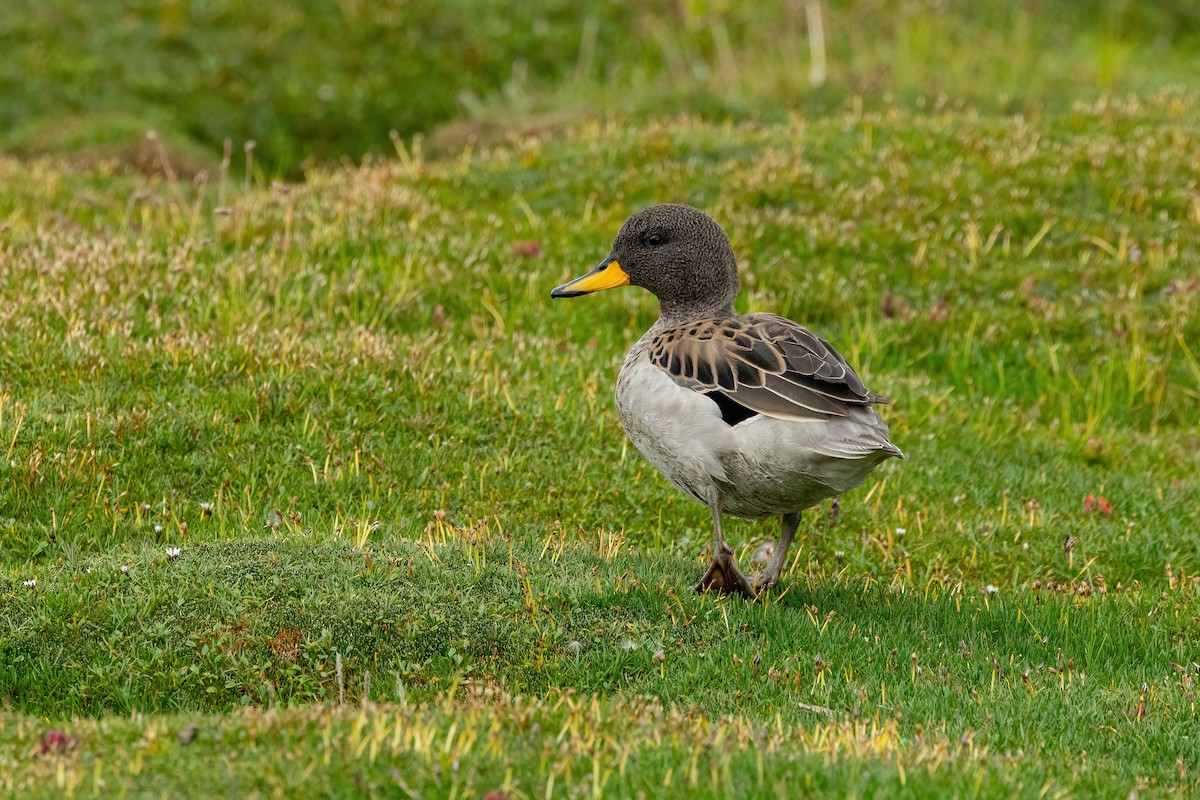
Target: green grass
pixel 377 442
pixel 319 79
pixel 949 684
pixel 482 744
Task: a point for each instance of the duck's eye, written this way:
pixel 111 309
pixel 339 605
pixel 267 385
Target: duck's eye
pixel 656 238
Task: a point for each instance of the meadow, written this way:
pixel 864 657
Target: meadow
pixel 308 488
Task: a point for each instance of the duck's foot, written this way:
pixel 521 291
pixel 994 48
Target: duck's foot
pixel 765 580
pixel 723 576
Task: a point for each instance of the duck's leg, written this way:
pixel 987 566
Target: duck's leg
pixel 723 575
pixel 787 529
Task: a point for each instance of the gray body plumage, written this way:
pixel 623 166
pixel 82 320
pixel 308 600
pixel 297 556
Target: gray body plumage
pixel 763 466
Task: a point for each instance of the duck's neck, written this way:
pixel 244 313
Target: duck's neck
pixel 673 315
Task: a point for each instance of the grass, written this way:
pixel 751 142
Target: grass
pixel 319 80
pixel 417 556
pixel 474 664
pixel 477 742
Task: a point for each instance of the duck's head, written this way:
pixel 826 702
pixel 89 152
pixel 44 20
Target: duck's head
pixel 676 252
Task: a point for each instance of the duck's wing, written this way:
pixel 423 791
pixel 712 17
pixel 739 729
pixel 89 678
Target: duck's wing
pixel 764 363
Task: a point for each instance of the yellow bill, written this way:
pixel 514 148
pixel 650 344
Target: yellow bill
pixel 606 276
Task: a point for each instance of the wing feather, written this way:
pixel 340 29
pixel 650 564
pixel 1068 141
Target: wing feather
pixel 768 364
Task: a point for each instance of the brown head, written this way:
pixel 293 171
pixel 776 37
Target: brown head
pixel 676 252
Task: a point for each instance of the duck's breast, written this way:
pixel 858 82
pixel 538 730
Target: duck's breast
pixel 678 430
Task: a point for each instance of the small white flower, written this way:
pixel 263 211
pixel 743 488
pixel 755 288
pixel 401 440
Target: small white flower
pixel 839 554
pixel 1025 545
pixel 627 644
pixel 30 583
pixel 206 509
pixel 125 568
pixel 901 531
pixel 764 553
pixel 158 529
pixel 990 589
pixel 173 553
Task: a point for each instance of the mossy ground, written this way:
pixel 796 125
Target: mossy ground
pixel 416 554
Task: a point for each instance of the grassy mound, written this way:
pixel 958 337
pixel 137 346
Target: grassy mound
pixel 319 79
pixel 382 449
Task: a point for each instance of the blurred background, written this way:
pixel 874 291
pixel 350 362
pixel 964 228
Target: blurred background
pixel 320 80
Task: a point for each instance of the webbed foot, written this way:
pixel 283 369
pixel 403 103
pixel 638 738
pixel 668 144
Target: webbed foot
pixel 723 576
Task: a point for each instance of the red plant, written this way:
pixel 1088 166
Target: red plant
pixel 1093 504
pixel 54 742
pixel 527 249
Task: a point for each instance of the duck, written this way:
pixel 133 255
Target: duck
pixel 752 415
